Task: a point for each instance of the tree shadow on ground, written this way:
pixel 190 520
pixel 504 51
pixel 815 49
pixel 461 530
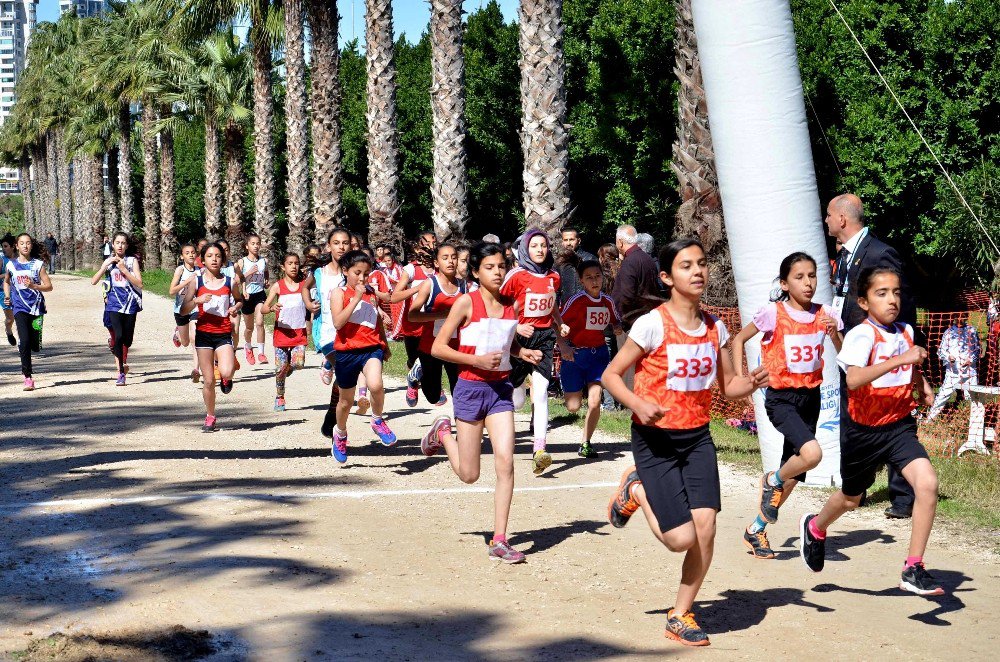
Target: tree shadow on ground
pixel 738 609
pixel 948 603
pixel 545 539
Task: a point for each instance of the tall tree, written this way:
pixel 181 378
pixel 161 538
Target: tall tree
pixel 544 139
pixel 449 190
pixel 151 184
pixel 263 135
pixel 327 176
pixel 125 206
pixel 168 193
pixel 297 127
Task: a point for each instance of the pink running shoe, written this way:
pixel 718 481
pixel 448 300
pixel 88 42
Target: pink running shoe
pixel 338 447
pixel 262 358
pixel 177 338
pixel 29 384
pixel 502 551
pixel 411 396
pixel 432 442
pixel 385 435
pixel 248 352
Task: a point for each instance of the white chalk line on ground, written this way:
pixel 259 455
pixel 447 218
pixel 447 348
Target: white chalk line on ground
pixel 283 496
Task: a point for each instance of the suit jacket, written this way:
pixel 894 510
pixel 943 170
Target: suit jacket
pixel 873 252
pixel 635 284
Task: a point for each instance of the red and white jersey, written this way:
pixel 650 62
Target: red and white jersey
pixel 792 347
pixel 534 295
pixel 439 301
pixel 587 318
pixel 484 335
pixel 290 322
pixel 362 329
pixel 404 327
pixel 213 315
pixel 890 397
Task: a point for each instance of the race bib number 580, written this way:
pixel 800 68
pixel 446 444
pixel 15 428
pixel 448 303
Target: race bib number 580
pixel 539 305
pixel 691 367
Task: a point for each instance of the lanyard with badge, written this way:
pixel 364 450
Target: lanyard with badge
pixel 843 267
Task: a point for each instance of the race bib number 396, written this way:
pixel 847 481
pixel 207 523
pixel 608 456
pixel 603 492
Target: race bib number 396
pixel 691 367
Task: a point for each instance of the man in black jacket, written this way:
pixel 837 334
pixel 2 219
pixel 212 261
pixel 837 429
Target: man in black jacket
pixel 861 250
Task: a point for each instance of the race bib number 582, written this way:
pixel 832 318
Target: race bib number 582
pixel 691 367
pixel 598 318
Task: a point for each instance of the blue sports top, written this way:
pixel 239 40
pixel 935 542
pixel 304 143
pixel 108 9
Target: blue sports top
pixel 123 296
pixel 22 299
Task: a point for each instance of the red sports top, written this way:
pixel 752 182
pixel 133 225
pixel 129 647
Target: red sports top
pixel 212 315
pixel 484 335
pixel 438 301
pixel 890 397
pixel 362 329
pixel 587 319
pixel 290 323
pixel 534 295
pixel 404 327
pixel 678 375
pixel 793 354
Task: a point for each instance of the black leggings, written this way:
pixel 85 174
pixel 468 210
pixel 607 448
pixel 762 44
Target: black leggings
pixel 410 343
pixel 430 382
pixel 28 338
pixel 122 328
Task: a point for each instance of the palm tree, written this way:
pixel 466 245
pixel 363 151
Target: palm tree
pixel 328 175
pixel 383 141
pixel 544 139
pixel 150 185
pixel 67 238
pixel 168 194
pixel 297 129
pixel 449 188
pixel 213 179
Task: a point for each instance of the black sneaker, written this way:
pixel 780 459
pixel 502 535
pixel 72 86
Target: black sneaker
pixel 892 512
pixel 623 504
pixel 813 550
pixel 770 497
pixel 683 629
pixel 917 580
pixel 10 339
pixel 226 385
pixel 587 451
pixel 758 544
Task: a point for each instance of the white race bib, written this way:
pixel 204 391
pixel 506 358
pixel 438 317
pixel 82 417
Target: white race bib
pixel 218 305
pixel 495 335
pixel 539 305
pixel 691 367
pixel 598 318
pixel 838 306
pixel 439 324
pixel 804 352
pixel 900 376
pixel 364 314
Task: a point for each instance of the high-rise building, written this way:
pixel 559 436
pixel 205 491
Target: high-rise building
pixel 84 8
pixel 17 23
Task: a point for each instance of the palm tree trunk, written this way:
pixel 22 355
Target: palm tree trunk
pixel 328 172
pixel 213 181
pixel 67 235
pixel 297 128
pixel 94 166
pixel 263 139
pixel 449 190
pixel 113 219
pixel 232 155
pixel 544 139
pixel 52 187
pixel 24 177
pixel 81 195
pixel 125 168
pixel 42 218
pixel 168 197
pixel 150 187
pixel 383 139
pixel 700 213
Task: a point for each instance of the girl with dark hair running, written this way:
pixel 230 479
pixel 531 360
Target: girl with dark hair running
pixel 419 269
pixel 24 282
pixel 124 298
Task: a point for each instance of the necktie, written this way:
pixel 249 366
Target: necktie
pixel 840 273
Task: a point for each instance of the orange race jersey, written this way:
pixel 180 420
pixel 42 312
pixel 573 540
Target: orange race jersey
pixel 890 397
pixel 534 295
pixel 679 367
pixel 362 329
pixel 587 318
pixel 792 346
pixel 404 327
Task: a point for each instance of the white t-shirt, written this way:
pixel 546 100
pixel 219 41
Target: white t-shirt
pixel 859 341
pixel 647 332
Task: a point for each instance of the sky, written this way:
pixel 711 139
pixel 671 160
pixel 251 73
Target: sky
pixel 410 16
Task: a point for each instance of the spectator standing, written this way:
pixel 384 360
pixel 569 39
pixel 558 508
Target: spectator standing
pixel 571 241
pixel 52 246
pixel 609 258
pixel 860 250
pixel 566 264
pixel 106 249
pixel 636 281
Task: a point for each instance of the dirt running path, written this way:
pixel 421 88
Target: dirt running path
pixel 117 512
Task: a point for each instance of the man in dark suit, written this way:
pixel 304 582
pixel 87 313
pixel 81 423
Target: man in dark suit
pixel 861 250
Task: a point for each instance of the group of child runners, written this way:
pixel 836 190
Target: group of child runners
pixel 492 332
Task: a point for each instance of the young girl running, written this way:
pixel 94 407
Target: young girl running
pixel 420 267
pixel 228 270
pixel 880 361
pixel 25 280
pixel 678 352
pixel 6 254
pixel 124 298
pixel 360 347
pixel 533 285
pixel 794 329
pixel 587 314
pixel 185 275
pixel 218 302
pixel 289 300
pixel 253 269
pixel 483 396
pixel 310 262
pixel 327 280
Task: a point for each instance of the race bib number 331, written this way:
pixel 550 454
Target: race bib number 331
pixel 691 367
pixel 804 352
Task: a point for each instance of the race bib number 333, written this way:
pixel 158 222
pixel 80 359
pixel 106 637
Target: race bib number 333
pixel 691 367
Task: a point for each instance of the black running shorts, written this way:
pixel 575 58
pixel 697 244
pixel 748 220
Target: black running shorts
pixel 794 412
pixel 867 448
pixel 543 339
pixel 213 341
pixel 252 301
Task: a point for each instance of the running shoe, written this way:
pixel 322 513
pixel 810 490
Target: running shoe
pixel 325 373
pixel 443 400
pixel 759 546
pixel 813 550
pixel 29 384
pixel 502 551
pixel 411 395
pixel 11 340
pixel 431 442
pixel 248 352
pixel 587 450
pixel 770 497
pixel 624 504
pixel 339 447
pixel 262 358
pixel 225 385
pixel 917 580
pixel 414 375
pixel 385 435
pixel 121 379
pixel 279 404
pixel 177 338
pixel 209 425
pixel 540 461
pixel 196 375
pixel 364 404
pixel 683 629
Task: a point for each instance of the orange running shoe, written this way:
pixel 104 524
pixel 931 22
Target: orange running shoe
pixel 624 504
pixel 683 629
